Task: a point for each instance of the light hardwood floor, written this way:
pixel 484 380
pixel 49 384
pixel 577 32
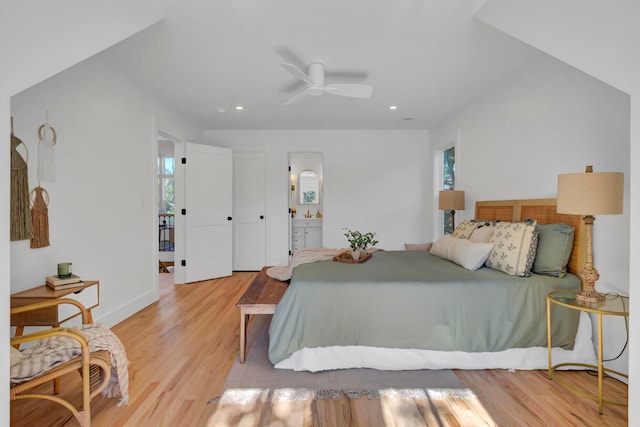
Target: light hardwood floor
pixel 182 347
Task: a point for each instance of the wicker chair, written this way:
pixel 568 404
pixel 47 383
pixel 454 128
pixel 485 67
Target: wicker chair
pixel 94 367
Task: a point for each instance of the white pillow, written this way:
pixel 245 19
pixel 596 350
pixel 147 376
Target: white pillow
pixel 468 254
pixel 442 246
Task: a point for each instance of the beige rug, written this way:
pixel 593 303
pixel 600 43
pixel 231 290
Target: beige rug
pixel 258 380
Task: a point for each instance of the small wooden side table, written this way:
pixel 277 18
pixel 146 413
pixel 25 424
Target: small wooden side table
pixel 611 306
pixel 88 294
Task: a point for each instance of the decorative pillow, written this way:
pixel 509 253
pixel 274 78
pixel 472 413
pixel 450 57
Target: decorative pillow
pixel 417 246
pixel 442 246
pixel 464 229
pixel 555 242
pixel 515 248
pixel 482 233
pixel 15 355
pixel 468 254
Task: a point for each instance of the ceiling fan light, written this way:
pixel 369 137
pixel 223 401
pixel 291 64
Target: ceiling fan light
pixel 314 78
pixel 315 90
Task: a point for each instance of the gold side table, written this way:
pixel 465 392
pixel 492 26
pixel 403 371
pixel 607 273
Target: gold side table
pixel 611 306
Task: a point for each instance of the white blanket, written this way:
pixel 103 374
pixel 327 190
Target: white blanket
pixel 302 256
pixel 50 352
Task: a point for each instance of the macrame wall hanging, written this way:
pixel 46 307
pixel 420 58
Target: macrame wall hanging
pixel 46 140
pixel 39 197
pixel 20 227
pixel 40 217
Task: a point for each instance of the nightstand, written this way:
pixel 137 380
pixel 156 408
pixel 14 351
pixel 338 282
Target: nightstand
pixel 88 294
pixel 611 306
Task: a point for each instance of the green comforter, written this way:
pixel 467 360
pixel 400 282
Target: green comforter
pixel 411 299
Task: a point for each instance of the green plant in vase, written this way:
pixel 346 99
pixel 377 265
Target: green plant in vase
pixel 359 242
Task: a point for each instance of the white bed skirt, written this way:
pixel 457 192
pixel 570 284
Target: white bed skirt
pixel 394 359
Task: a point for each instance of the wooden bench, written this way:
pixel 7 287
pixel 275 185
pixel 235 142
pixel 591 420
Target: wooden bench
pixel 262 297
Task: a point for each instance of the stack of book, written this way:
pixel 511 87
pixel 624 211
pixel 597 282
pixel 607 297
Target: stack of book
pixel 56 283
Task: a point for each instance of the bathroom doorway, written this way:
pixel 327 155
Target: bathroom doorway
pixel 305 200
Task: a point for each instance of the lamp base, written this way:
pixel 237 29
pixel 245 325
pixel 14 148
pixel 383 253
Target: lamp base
pixel 589 295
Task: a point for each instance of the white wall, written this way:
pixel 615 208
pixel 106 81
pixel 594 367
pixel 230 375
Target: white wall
pixel 603 39
pixel 599 38
pixel 545 120
pixel 377 181
pixel 42 38
pixel 32 52
pixel 103 202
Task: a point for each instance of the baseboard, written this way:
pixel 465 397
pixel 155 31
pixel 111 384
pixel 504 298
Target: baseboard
pixel 126 310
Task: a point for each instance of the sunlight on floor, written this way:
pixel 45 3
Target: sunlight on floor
pixel 297 407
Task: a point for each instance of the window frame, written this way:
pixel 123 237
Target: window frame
pixel 452 141
pixel 162 175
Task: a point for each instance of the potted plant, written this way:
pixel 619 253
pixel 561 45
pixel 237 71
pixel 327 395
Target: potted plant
pixel 359 242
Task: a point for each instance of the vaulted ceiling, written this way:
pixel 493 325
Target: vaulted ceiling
pixel 427 57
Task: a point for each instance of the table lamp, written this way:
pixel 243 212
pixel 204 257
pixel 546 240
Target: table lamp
pixel 451 200
pixel 590 193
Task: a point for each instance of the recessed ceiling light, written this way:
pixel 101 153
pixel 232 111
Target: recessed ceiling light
pixel 393 107
pixel 221 109
pixel 239 107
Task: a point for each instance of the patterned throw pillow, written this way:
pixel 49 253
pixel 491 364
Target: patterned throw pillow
pixel 482 233
pixel 464 229
pixel 515 248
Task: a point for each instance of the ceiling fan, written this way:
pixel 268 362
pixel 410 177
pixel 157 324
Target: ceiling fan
pixel 314 78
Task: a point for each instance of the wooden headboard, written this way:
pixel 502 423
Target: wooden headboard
pixel 543 211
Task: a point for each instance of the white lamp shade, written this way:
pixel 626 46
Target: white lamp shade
pixel 451 200
pixel 590 193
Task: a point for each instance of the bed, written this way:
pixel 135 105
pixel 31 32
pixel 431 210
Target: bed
pixel 405 310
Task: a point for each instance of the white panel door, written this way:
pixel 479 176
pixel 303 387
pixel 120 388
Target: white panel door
pixel 207 221
pixel 249 203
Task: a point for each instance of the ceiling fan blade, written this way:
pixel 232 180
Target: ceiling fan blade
pixel 293 86
pixel 297 98
pixel 297 72
pixel 351 90
pixel 289 56
pixel 348 75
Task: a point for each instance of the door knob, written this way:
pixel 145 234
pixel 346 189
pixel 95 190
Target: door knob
pixel 261 216
pixel 229 218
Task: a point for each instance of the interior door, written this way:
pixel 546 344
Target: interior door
pixel 249 203
pixel 204 212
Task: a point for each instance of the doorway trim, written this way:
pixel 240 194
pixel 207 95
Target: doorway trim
pixel 160 135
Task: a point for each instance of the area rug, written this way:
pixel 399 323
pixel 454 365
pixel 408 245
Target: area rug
pixel 258 380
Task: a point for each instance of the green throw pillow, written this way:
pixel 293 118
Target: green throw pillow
pixel 555 242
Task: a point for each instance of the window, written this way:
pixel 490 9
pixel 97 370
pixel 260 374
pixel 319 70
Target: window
pixel 166 169
pixel 448 183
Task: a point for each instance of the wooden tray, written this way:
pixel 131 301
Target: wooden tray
pixel 347 258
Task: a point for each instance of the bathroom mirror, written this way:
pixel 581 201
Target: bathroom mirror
pixel 309 188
